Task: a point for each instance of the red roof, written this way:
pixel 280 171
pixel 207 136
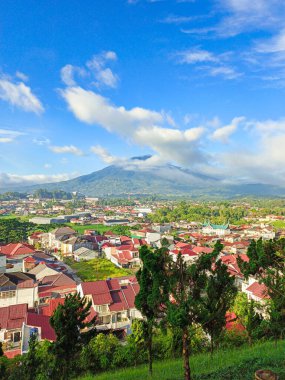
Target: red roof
pixel 16 249
pixel 189 252
pixel 202 249
pixel 41 321
pixel 182 245
pixel 51 306
pixel 232 322
pixel 12 317
pixel 258 290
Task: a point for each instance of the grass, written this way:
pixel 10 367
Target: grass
pixel 97 269
pixel 97 227
pixel 232 364
pixel 278 224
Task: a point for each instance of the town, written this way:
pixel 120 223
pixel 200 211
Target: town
pixel 94 251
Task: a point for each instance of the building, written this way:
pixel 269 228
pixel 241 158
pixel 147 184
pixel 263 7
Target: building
pixel 18 288
pixel 113 300
pixel 216 229
pixel 43 220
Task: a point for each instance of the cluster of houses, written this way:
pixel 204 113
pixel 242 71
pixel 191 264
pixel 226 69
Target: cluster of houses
pixel 34 280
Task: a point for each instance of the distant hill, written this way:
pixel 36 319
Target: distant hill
pixel 170 180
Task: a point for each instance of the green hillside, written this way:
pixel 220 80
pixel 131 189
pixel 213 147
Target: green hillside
pixel 233 364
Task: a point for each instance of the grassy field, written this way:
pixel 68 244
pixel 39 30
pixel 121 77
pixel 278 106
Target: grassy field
pixel 97 227
pixel 233 364
pixel 96 269
pixel 278 224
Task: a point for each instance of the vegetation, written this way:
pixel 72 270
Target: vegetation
pixel 101 228
pixel 68 322
pixel 13 230
pixel 55 194
pixel 232 364
pixel 96 269
pixel 12 195
pixel 153 291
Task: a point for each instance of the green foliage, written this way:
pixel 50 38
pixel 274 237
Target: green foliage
pixel 230 364
pixel 98 354
pixel 13 230
pixel 68 321
pixel 249 315
pixel 153 290
pixel 55 194
pixel 217 298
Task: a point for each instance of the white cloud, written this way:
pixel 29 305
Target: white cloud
pixel 276 44
pixel 66 149
pixel 224 71
pixel 222 134
pixel 41 141
pixel 93 108
pixel 103 74
pixel 19 95
pixel 8 135
pixel 8 179
pixel 22 76
pixel 68 72
pixel 104 155
pixel 196 55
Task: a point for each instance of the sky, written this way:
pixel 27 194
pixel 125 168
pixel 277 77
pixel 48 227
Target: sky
pixel 196 83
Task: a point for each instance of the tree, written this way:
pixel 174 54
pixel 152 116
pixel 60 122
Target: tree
pixel 153 291
pixel 219 294
pixel 68 321
pixel 267 264
pixel 184 305
pixel 31 362
pixel 246 312
pixel 198 298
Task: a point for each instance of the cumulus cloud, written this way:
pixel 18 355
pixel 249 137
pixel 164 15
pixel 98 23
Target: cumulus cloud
pixel 19 95
pixel 222 134
pixel 66 149
pixel 10 180
pixel 22 76
pixel 96 70
pixel 104 155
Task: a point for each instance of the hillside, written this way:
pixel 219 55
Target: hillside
pixel 233 364
pixel 168 180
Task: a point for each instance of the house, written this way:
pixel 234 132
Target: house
pixel 84 254
pixel 73 243
pixel 59 234
pixel 57 285
pixel 116 222
pixel 11 322
pixel 113 301
pixel 17 251
pixel 42 270
pixel 257 292
pixel 216 229
pixel 18 288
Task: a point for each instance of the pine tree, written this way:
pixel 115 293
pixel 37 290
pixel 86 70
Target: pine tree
pixel 153 291
pixel 68 321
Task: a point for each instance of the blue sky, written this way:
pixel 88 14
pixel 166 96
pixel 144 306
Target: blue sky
pixel 196 83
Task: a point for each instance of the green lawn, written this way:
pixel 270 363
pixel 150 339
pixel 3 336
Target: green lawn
pixel 96 269
pixel 233 364
pixel 97 227
pixel 278 224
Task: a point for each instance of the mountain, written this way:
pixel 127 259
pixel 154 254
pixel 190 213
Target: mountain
pixel 168 180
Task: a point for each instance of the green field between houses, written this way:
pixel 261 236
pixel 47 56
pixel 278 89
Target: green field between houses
pixel 232 364
pixel 97 269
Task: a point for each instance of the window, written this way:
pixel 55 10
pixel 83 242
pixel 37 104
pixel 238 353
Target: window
pixel 8 294
pixel 16 337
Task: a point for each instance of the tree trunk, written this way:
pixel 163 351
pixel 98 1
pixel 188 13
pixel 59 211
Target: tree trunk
pixel 249 340
pixel 186 354
pixel 150 349
pixel 212 347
